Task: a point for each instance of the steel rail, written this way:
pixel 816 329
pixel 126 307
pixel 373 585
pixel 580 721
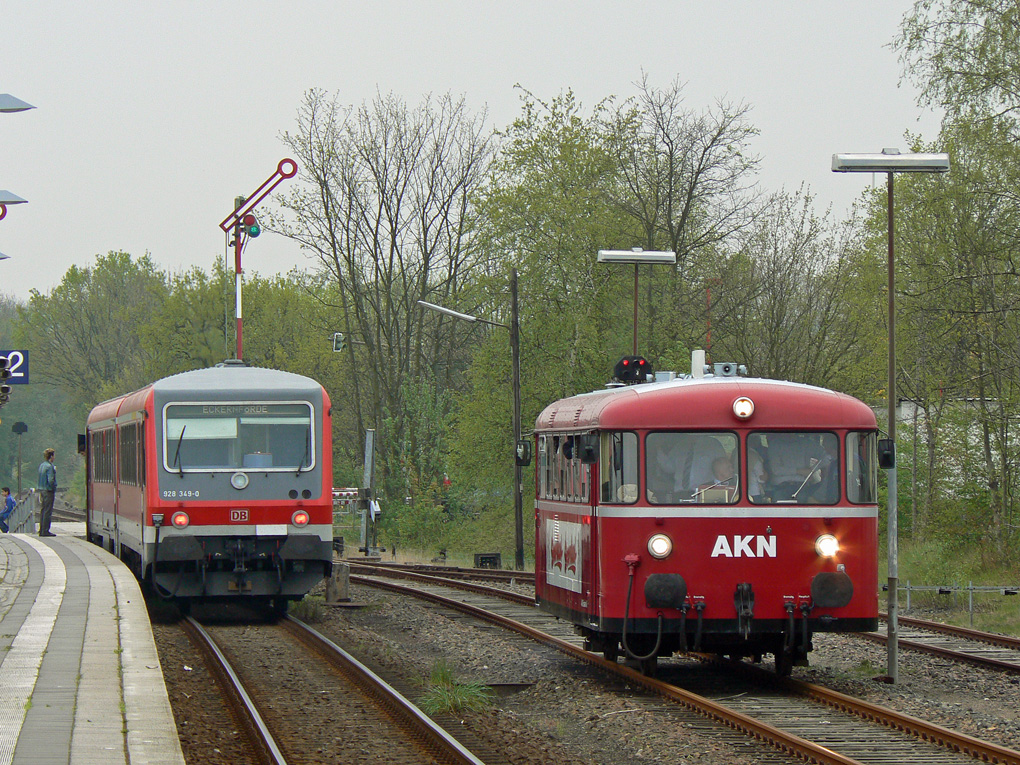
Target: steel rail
pixel 245 711
pixel 785 742
pixel 460 584
pixel 944 737
pixel 946 653
pixel 432 736
pixel 452 572
pixel 1002 641
pixel 926 731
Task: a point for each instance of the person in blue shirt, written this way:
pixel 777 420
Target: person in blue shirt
pixel 47 488
pixel 8 507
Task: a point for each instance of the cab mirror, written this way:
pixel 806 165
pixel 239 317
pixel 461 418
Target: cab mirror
pixel 886 453
pixel 523 454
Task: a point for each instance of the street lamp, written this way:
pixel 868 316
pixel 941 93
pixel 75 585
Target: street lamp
pixel 637 256
pixel 515 357
pixel 890 161
pixel 7 198
pixel 8 105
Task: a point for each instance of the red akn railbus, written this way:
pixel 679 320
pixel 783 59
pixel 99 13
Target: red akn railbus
pixel 721 514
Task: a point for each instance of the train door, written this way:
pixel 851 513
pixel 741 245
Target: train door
pixel 116 491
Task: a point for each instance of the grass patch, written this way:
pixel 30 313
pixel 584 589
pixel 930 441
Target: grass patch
pixel 311 608
pixel 444 694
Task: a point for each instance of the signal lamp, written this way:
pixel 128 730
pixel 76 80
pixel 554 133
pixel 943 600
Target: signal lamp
pixel 632 369
pixel 300 518
pixel 251 225
pixel 180 520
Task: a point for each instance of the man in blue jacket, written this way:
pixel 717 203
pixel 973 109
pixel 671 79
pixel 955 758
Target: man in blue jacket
pixel 47 488
pixel 7 502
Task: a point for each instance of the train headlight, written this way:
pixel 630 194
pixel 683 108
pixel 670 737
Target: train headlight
pixel 660 546
pixel 300 518
pixel 827 545
pixel 180 520
pixel 743 408
pixel 239 480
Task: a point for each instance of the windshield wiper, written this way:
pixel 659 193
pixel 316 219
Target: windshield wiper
pixel 177 455
pixel 308 449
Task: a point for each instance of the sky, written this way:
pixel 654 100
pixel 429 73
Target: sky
pixel 152 116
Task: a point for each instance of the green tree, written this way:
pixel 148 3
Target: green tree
pixel 190 330
pixel 84 335
pixel 963 55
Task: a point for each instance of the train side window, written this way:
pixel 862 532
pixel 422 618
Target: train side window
pixel 618 468
pixel 129 454
pixel 861 467
pixel 543 466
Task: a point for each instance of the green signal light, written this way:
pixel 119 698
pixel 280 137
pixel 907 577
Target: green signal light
pixel 251 225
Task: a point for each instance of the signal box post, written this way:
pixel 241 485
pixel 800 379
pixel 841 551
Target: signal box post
pixel 244 225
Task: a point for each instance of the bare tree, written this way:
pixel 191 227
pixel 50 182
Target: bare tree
pixel 385 207
pixel 787 296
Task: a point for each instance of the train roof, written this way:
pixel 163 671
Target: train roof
pixel 706 403
pixel 227 380
pixel 243 380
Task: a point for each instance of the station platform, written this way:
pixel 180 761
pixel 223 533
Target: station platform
pixel 80 679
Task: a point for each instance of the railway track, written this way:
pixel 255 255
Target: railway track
pixel 981 649
pixel 961 644
pixel 807 721
pixel 293 711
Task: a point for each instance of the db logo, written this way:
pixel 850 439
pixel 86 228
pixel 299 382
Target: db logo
pixel 239 516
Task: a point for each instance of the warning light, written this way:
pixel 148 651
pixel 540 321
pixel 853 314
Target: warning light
pixel 300 518
pixel 251 225
pixel 632 369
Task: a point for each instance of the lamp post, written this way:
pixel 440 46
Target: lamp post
pixel 515 359
pixel 890 161
pixel 637 256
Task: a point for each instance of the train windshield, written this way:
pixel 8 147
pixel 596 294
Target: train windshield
pixel 238 436
pixel 790 467
pixel 692 467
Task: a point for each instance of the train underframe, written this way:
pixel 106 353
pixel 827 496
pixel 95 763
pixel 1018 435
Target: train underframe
pixel 284 567
pixel 788 640
pixel 266 571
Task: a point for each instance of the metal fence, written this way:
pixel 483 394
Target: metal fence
pixel 22 520
pixel 955 591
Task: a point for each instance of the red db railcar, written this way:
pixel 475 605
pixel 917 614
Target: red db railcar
pixel 720 514
pixel 216 484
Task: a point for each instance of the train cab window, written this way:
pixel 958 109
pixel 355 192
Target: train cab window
pixel 697 467
pixel 244 436
pixel 618 468
pixel 791 467
pixel 861 468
